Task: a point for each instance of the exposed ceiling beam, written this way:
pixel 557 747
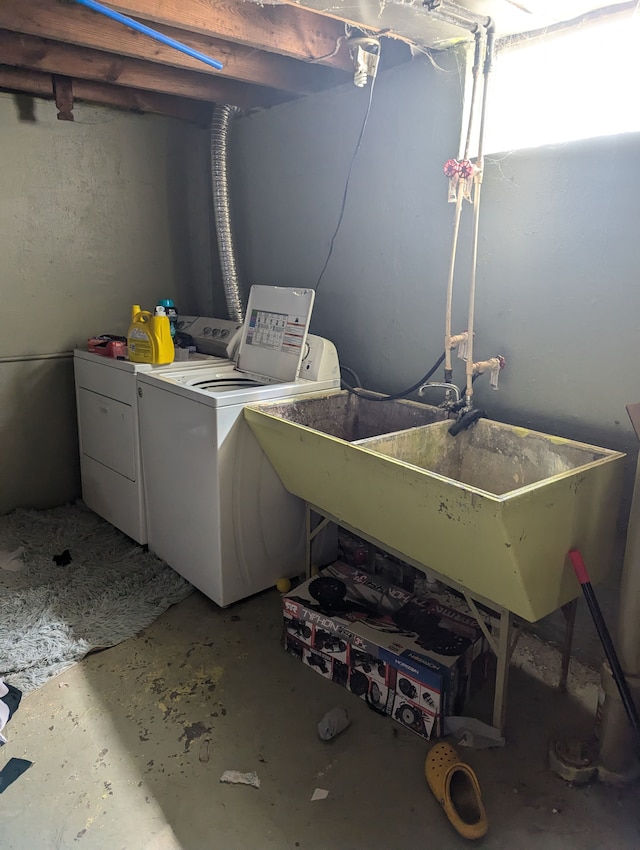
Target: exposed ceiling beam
pixel 74 24
pixel 81 63
pixel 279 29
pixel 40 84
pixel 404 20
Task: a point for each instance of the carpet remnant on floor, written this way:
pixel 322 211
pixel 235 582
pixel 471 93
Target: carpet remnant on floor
pixel 52 615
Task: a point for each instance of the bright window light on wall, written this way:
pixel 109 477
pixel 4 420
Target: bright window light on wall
pixel 563 87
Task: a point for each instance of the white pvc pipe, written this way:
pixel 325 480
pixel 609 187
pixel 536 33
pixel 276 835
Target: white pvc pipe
pixel 472 283
pixel 452 265
pixel 618 756
pixel 23 358
pixel 479 42
pixel 476 212
pixel 629 612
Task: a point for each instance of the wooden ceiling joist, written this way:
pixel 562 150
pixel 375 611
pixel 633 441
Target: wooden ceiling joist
pixel 75 25
pixel 40 54
pixel 278 28
pixel 40 84
pixel 270 53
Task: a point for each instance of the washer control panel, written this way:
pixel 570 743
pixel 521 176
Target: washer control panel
pixel 219 337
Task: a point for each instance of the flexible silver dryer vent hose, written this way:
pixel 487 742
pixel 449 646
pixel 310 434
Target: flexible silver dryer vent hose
pixel 220 122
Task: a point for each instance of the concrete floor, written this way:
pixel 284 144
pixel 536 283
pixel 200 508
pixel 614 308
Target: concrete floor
pixel 128 748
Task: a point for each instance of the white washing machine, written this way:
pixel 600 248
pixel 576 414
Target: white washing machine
pixel 108 432
pixel 216 510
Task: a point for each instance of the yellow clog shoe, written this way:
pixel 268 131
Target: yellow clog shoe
pixel 455 786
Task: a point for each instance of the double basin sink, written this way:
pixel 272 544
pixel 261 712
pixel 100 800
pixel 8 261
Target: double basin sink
pixel 494 509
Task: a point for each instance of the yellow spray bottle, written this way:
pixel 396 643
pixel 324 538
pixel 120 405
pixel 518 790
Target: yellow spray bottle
pixel 149 338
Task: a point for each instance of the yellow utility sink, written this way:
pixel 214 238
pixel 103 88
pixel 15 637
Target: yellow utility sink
pixel 350 417
pixel 495 508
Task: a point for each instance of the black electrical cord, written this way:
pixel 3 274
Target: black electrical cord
pixel 400 394
pixel 346 186
pixel 353 374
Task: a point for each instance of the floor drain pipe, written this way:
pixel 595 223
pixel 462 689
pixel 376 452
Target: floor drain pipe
pixel 618 744
pixel 221 120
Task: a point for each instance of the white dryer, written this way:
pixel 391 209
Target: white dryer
pixel 108 434
pixel 216 510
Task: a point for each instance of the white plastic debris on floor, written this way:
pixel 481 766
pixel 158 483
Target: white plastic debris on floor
pixel 234 777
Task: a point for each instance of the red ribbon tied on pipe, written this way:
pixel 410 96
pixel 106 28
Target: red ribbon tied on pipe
pixel 451 168
pixel 465 169
pixel 459 171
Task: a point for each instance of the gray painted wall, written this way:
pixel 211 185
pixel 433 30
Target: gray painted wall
pixel 381 299
pixel 94 215
pixel 557 289
pixel 558 254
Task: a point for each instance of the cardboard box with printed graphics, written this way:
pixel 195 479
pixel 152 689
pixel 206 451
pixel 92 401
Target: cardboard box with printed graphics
pixel 407 656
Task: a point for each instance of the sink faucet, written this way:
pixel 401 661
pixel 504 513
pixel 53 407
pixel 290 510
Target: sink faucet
pixel 450 388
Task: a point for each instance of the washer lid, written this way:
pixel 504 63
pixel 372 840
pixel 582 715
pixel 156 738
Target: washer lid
pixel 275 332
